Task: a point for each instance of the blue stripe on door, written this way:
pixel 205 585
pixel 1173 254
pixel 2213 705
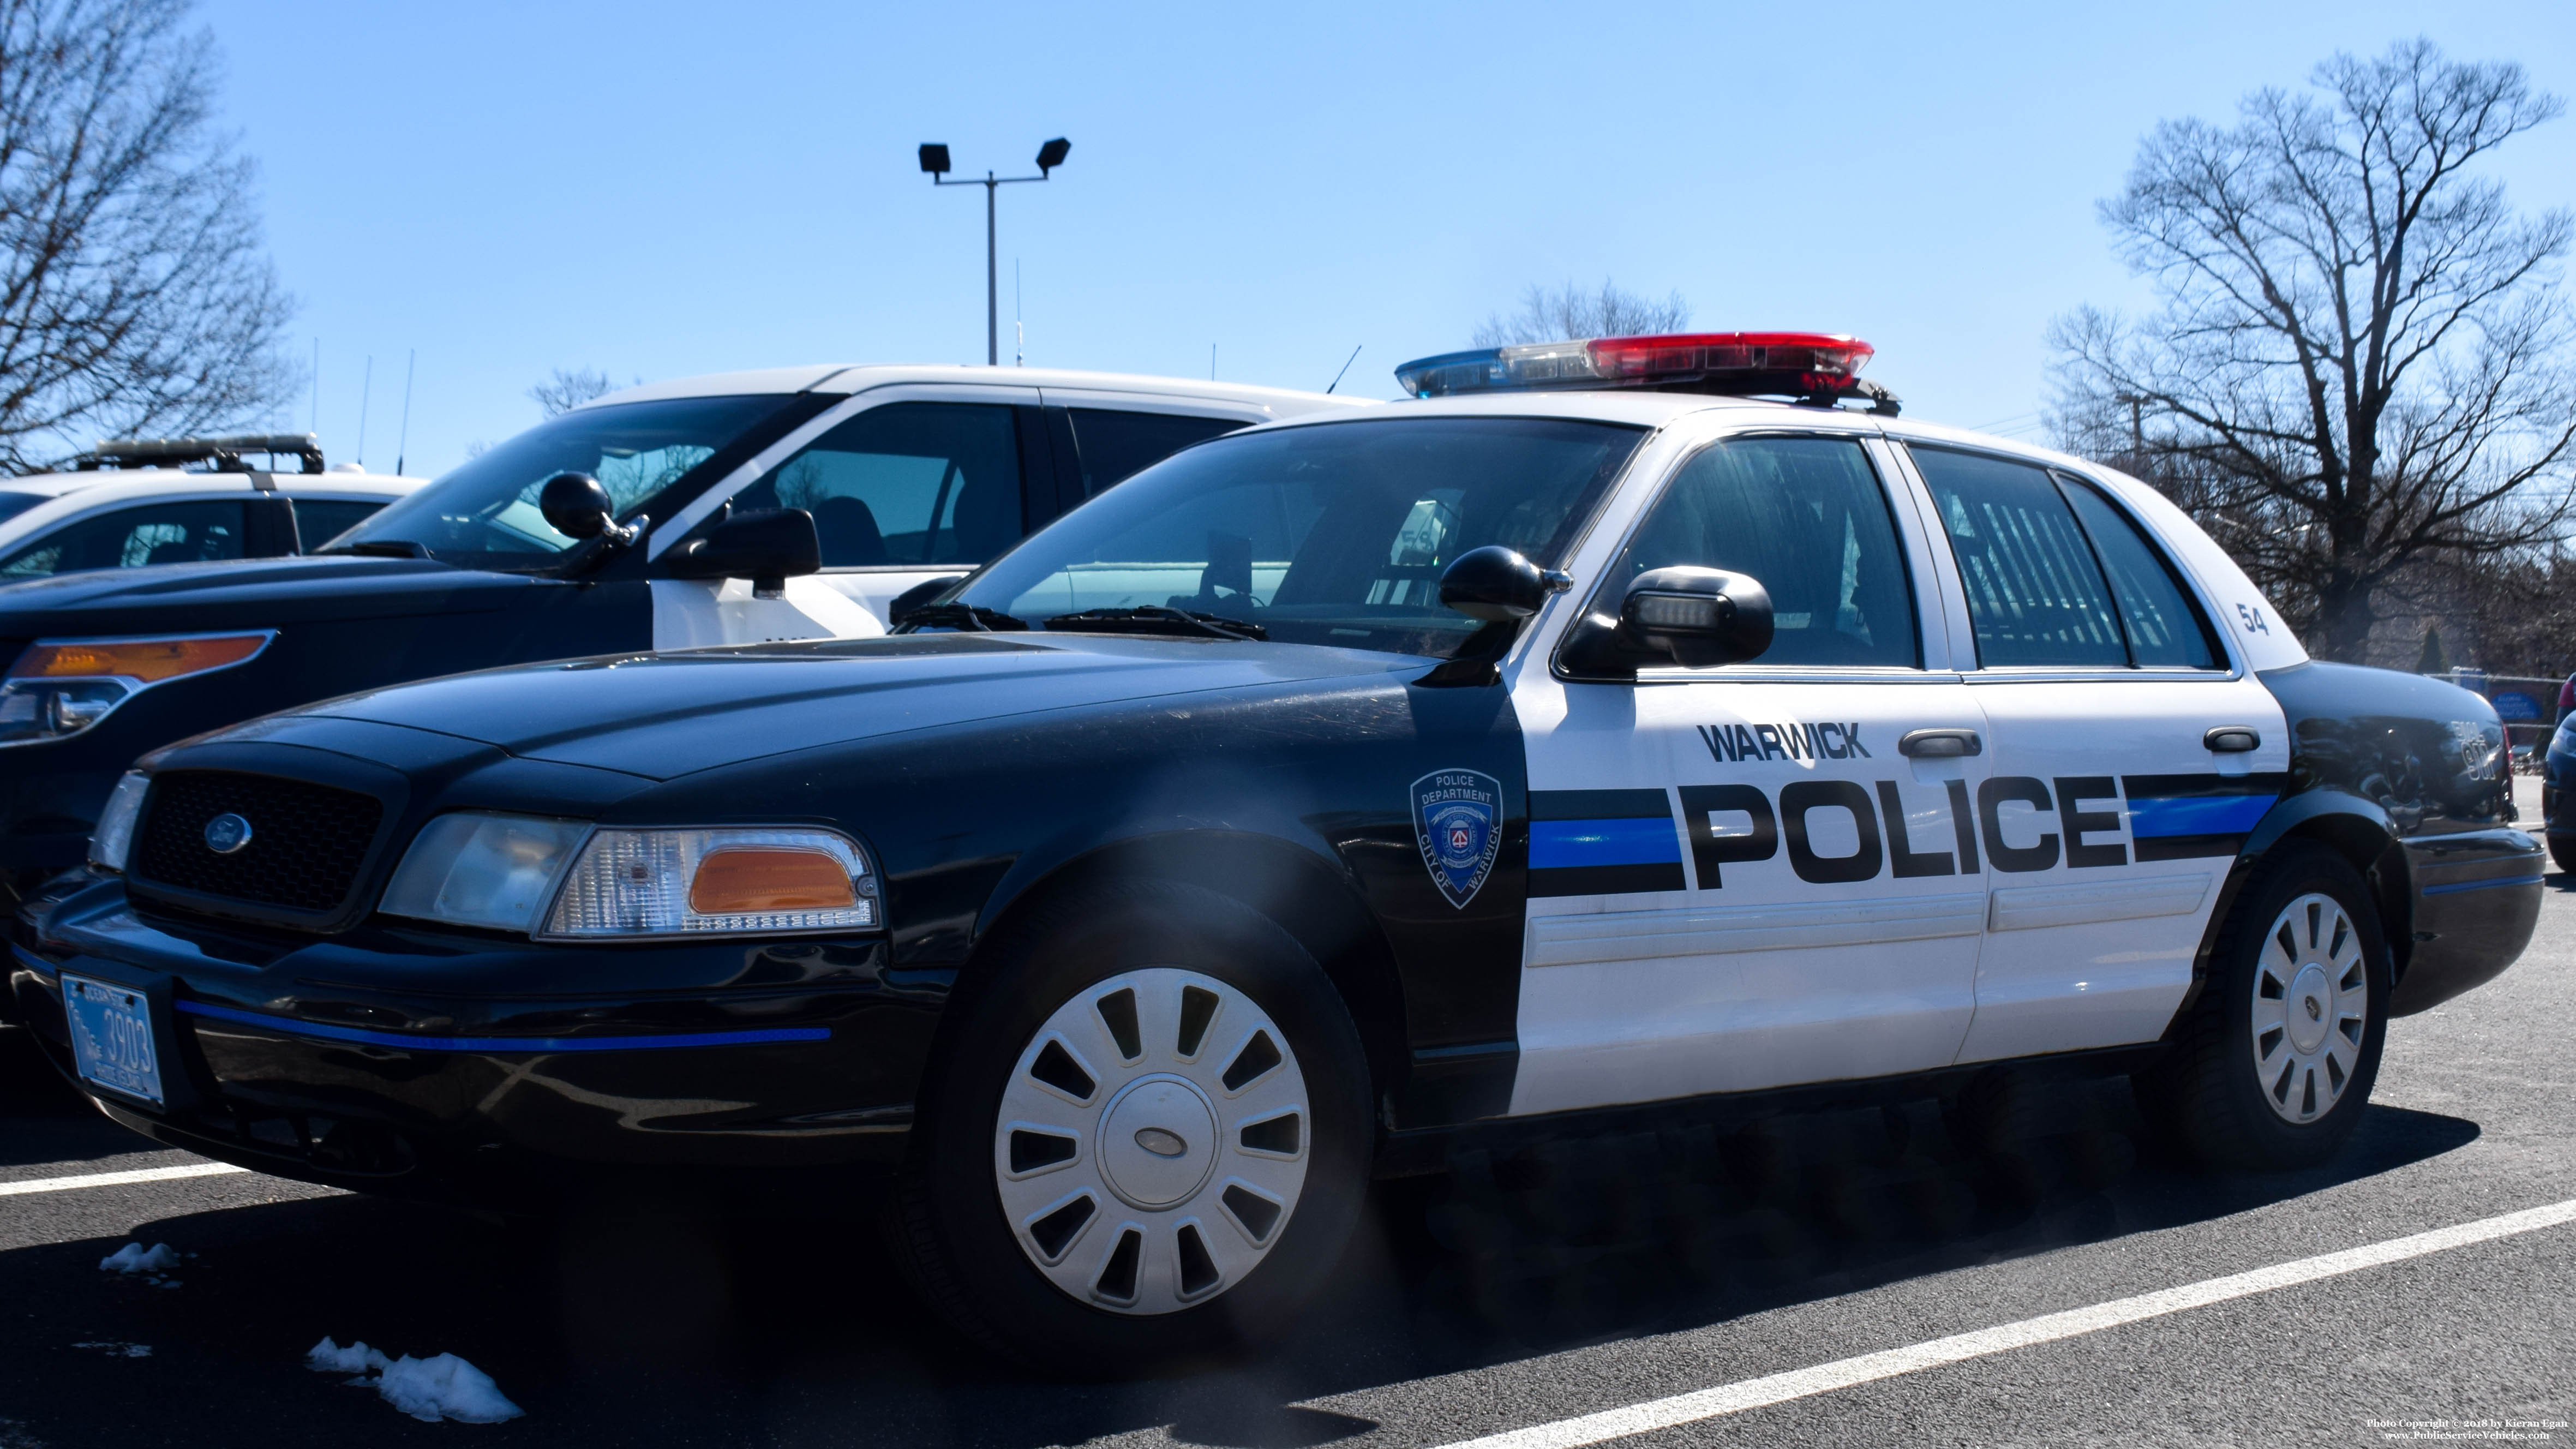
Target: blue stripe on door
pixel 2196 815
pixel 1561 844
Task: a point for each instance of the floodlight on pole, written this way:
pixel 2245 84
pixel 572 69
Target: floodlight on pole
pixel 934 160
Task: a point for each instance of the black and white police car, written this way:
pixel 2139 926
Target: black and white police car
pixel 1573 737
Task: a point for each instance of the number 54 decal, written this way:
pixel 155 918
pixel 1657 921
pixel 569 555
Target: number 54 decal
pixel 2253 618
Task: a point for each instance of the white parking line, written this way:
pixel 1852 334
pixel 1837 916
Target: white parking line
pixel 1845 1373
pixel 117 1179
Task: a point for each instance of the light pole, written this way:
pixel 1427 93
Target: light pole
pixel 934 159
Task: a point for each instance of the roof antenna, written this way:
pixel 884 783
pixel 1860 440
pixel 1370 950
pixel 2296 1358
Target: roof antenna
pixel 1019 326
pixel 366 384
pixel 1211 362
pixel 402 440
pixel 1346 369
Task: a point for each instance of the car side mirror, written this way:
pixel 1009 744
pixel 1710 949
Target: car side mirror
pixel 576 506
pixel 1695 617
pixel 1497 585
pixel 764 545
pixel 904 604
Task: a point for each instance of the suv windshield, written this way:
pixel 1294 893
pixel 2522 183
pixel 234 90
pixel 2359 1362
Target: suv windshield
pixel 484 514
pixel 1328 534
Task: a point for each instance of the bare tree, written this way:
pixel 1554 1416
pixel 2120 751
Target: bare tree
pixel 565 389
pixel 2360 360
pixel 1571 312
pixel 134 296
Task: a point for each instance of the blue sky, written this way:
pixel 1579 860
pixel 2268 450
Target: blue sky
pixel 663 189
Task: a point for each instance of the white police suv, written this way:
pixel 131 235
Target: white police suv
pixel 1586 735
pixel 136 502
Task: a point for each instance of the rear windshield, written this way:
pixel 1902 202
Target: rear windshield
pixel 13 504
pixel 1329 534
pixel 484 514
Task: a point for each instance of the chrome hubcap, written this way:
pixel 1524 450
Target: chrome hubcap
pixel 2311 1004
pixel 1152 1142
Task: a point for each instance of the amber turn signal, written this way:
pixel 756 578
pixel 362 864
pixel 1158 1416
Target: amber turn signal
pixel 149 660
pixel 756 878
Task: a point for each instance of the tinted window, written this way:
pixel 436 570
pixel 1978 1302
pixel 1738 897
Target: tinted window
pixel 1115 445
pixel 13 504
pixel 2035 595
pixel 157 533
pixel 908 483
pixel 1332 534
pixel 320 520
pixel 2163 627
pixel 1808 519
pixel 484 514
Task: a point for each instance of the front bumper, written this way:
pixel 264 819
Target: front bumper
pixel 495 1074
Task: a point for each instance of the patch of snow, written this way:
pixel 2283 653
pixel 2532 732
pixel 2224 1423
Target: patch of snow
pixel 330 1358
pixel 132 1258
pixel 119 1350
pixel 428 1389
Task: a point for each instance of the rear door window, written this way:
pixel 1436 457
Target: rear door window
pixel 1114 444
pixel 319 520
pixel 2036 597
pixel 2165 629
pixel 906 484
pixel 155 533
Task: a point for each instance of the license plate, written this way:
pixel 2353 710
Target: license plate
pixel 112 1038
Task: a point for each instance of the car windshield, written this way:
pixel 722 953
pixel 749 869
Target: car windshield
pixel 1329 534
pixel 13 504
pixel 484 514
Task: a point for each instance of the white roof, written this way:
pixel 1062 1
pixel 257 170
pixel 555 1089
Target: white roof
pixel 844 379
pixel 148 480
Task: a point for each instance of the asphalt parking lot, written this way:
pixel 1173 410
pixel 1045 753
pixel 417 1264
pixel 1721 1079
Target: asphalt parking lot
pixel 1514 1298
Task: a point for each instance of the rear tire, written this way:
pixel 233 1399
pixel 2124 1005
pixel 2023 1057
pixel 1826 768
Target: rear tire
pixel 1042 1221
pixel 2563 852
pixel 2273 1066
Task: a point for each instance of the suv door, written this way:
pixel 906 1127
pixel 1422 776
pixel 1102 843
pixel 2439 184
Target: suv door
pixel 2115 805
pixel 1813 912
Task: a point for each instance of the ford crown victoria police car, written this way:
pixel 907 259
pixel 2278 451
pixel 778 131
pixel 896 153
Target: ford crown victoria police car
pixel 908 474
pixel 1545 745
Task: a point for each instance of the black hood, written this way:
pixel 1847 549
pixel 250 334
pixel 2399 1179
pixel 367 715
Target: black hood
pixel 666 715
pixel 260 593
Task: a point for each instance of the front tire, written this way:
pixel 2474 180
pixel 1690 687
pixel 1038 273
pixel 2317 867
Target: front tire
pixel 2274 1066
pixel 1146 1139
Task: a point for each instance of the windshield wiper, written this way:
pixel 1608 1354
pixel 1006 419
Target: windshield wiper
pixel 382 548
pixel 1155 619
pixel 971 618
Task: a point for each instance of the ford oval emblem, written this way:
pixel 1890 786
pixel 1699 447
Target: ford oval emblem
pixel 227 833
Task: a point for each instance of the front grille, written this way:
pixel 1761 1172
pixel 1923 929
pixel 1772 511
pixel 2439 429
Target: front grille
pixel 307 842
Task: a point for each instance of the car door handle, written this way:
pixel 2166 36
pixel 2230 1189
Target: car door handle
pixel 2231 740
pixel 1940 744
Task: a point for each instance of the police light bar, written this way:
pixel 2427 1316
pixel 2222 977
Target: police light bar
pixel 1813 367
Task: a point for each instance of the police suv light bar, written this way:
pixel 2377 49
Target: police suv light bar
pixel 1812 367
pixel 225 453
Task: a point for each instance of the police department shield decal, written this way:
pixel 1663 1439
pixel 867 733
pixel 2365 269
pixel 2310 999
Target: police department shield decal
pixel 1454 819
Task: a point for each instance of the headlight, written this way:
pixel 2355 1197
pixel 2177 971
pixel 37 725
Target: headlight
pixel 60 687
pixel 473 869
pixel 115 832
pixel 645 883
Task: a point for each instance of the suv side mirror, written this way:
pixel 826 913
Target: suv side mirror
pixel 576 506
pixel 764 545
pixel 1696 617
pixel 1497 584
